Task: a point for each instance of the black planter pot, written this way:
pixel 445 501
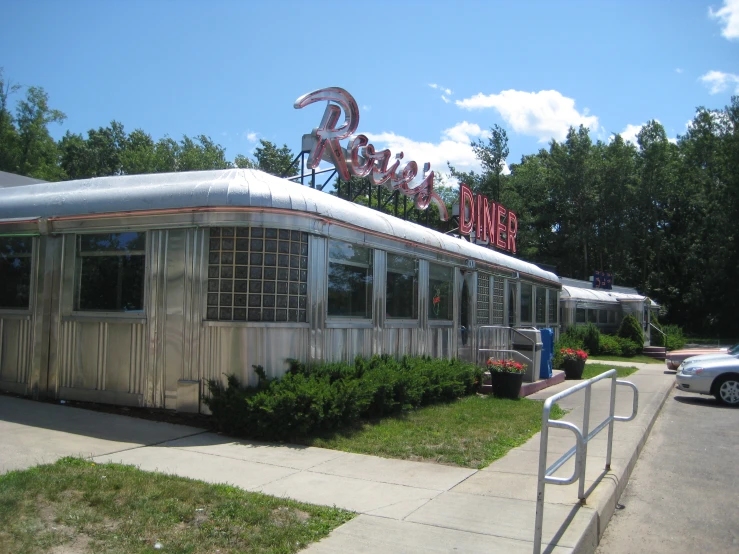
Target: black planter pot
pixel 506 385
pixel 573 368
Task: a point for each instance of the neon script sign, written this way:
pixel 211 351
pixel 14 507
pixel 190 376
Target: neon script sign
pixel 361 159
pixel 490 221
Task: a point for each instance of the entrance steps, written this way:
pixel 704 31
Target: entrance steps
pixel 656 352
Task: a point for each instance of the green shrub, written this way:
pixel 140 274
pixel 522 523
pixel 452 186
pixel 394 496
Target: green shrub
pixel 610 346
pixel 631 329
pixel 591 339
pixel 675 338
pixel 628 347
pixel 310 399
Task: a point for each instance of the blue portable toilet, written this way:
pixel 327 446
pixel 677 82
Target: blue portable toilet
pixel 547 353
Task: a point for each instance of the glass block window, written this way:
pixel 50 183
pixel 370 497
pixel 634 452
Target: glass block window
pixel 401 301
pixel 498 299
pixel 526 300
pixel 441 292
pixel 541 305
pixel 552 307
pixel 349 280
pixel 257 274
pixel 483 299
pixel 15 272
pixel 110 272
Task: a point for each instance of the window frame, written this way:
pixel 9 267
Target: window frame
pixel 31 277
pixel 429 304
pixel 369 291
pixel 416 285
pixel 79 254
pixel 531 314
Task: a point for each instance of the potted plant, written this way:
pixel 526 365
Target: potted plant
pixel 506 376
pixel 573 362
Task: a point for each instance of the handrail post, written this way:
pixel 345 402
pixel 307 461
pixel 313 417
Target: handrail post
pixel 611 414
pixel 585 431
pixel 543 447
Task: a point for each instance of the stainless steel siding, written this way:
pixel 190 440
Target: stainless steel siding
pixel 15 349
pixel 233 350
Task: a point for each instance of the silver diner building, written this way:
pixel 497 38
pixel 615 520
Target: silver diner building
pixel 137 289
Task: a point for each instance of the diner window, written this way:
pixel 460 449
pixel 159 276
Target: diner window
pixel 349 280
pixel 552 307
pixel 612 316
pixel 498 300
pixel 402 287
pixel 541 305
pixel 602 316
pixel 441 292
pixel 526 293
pixel 110 272
pixel 257 274
pixel 579 315
pixel 15 272
pixel 592 316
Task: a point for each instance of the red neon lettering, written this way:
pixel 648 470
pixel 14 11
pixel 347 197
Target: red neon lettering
pixel 500 213
pixel 466 200
pixel 512 231
pixel 327 132
pixel 369 162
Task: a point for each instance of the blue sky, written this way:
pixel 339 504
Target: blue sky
pixel 428 76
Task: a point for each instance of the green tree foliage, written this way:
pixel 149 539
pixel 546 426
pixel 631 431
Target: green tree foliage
pixel 631 329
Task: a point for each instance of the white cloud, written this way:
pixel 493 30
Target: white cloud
pixel 718 81
pixel 453 146
pixel 366 108
pixel 630 132
pixel 545 114
pixel 728 16
pixel 678 70
pixel 445 90
pixel 445 99
pixel 251 136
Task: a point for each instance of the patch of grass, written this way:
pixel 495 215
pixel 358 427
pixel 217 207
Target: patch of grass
pixel 78 506
pixel 634 359
pixel 591 370
pixel 471 432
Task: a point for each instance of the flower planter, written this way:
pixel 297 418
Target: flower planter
pixel 573 368
pixel 506 385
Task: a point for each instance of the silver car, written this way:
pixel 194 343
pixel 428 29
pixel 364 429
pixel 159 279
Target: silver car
pixel 717 375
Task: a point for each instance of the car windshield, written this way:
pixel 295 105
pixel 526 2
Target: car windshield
pixel 734 350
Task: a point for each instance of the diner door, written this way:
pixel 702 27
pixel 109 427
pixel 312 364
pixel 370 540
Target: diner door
pixel 465 339
pixel 512 304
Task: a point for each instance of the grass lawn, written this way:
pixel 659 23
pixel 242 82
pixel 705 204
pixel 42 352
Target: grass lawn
pixel 75 506
pixel 591 370
pixel 471 432
pixel 634 360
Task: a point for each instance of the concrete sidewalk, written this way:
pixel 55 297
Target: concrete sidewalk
pixel 403 506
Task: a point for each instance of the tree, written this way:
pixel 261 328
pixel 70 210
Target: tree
pixel 38 155
pixel 8 133
pixel 492 156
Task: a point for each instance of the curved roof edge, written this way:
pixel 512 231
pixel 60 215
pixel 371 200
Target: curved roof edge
pixel 230 188
pixel 594 295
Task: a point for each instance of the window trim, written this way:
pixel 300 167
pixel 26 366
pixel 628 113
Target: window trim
pixel 341 321
pixel 110 315
pixel 409 321
pixel 32 281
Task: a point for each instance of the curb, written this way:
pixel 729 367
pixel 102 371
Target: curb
pixel 603 500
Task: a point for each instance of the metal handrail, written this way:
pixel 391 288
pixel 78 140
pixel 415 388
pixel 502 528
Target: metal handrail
pixel 664 335
pixel 510 330
pixel 580 450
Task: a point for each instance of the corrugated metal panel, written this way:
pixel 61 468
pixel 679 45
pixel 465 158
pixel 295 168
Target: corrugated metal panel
pixel 231 188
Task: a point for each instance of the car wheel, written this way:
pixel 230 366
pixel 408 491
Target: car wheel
pixel 727 391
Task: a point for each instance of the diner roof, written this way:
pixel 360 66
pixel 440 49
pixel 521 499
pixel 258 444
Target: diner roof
pixel 231 188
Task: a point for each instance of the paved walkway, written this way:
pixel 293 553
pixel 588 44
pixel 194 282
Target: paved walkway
pixel 403 507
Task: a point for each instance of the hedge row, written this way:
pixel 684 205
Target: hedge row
pixel 310 399
pixel 628 342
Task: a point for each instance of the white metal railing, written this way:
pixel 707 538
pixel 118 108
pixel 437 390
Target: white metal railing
pixel 661 332
pixel 502 339
pixel 582 437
